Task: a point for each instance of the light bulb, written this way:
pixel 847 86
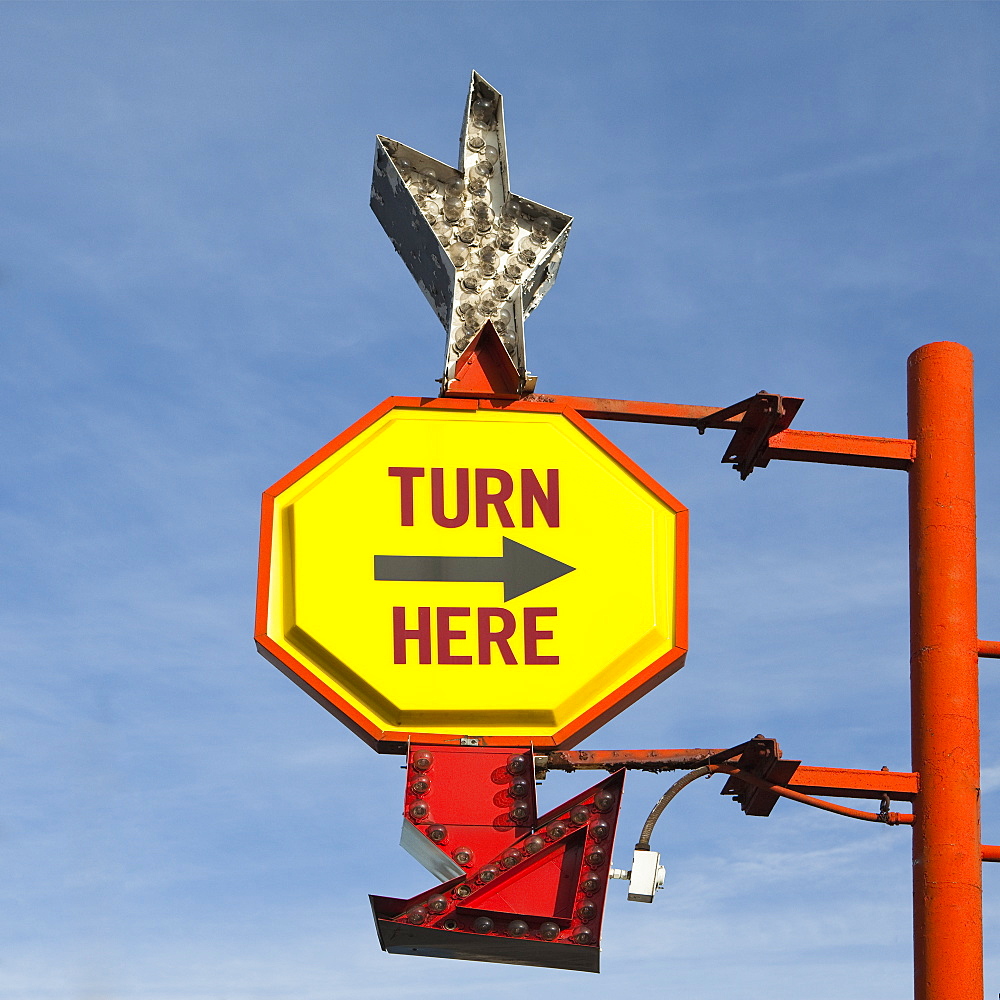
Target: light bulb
pixel 548 931
pixel 520 812
pixel 506 315
pixel 579 815
pixel 534 844
pixel 583 936
pixel 477 184
pixel 519 789
pixel 467 233
pixel 488 874
pixel 517 763
pixel 462 891
pixel 422 761
pixel 587 911
pixel 507 233
pixel 459 254
pixel 463 855
pixel 502 289
pixel 437 904
pixel 604 801
pixel 427 181
pixel 455 188
pixel 437 833
pixel 452 209
pixel 416 915
pixel 471 279
pixel 600 829
pixel 513 270
pixel 490 153
pixel 475 141
pixel 527 252
pixel 482 110
pixel 483 167
pixel 517 928
pixel 510 858
pixel 555 830
pixel 482 925
pixel 590 884
pixel 596 857
pixel 419 810
pixel 468 307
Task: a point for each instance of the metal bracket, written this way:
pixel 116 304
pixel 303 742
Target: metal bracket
pixel 763 416
pixel 763 758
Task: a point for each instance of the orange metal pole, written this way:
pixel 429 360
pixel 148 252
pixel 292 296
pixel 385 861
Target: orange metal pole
pixel 944 676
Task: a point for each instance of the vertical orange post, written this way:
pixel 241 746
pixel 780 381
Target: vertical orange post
pixel 944 676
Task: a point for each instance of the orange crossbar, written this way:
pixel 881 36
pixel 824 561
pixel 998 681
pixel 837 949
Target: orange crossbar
pixel 991 852
pixel 790 445
pixel 898 785
pixel 842 449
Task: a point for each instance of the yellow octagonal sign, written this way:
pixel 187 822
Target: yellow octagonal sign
pixel 450 569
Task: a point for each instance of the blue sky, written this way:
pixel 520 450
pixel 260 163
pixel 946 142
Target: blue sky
pixel 194 296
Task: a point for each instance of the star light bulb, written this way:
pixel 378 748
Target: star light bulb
pixel 471 279
pixel 459 254
pixel 482 110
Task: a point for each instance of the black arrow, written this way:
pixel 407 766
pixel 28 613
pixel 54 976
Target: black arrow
pixel 519 569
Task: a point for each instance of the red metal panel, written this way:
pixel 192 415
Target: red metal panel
pixel 540 901
pixel 470 802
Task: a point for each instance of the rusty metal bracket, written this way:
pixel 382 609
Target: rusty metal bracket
pixel 651 760
pixel 760 757
pixel 763 416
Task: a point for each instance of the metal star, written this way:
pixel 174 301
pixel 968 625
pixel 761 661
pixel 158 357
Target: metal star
pixel 477 251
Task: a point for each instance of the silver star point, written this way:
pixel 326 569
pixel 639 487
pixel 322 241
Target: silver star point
pixel 477 251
